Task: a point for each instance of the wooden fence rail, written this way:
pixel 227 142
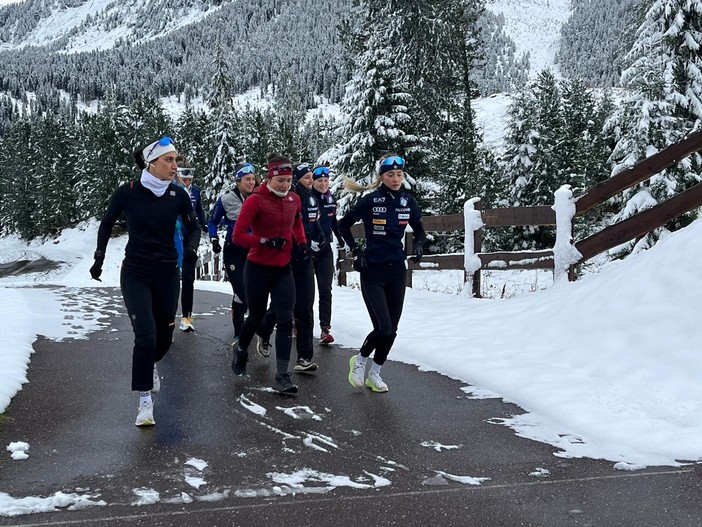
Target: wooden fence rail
pixel 611 236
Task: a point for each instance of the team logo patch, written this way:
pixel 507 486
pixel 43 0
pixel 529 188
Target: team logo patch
pixel 404 222
pixel 172 192
pixel 378 227
pixel 403 216
pixel 403 201
pixel 312 201
pixel 379 222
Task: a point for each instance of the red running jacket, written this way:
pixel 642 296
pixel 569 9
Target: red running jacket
pixel 265 215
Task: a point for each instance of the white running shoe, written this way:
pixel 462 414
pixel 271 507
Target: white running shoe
pixel 357 372
pixel 145 417
pixel 186 324
pixel 157 382
pixel 375 382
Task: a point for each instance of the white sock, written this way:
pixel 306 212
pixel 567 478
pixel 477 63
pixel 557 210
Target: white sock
pixel 144 397
pixel 375 367
pixel 361 360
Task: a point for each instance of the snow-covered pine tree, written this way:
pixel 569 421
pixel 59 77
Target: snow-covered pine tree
pixel 193 135
pixel 257 132
pixel 224 132
pixel 19 195
pixel 377 100
pixel 663 105
pixel 53 175
pixel 105 156
pixel 534 160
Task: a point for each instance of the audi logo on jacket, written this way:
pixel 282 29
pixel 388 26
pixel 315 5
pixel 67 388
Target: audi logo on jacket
pixel 385 214
pixel 265 215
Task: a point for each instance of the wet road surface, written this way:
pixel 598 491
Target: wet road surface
pixel 423 454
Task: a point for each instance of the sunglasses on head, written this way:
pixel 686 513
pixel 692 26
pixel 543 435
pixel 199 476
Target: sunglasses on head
pixel 164 141
pixel 393 160
pixel 248 168
pixel 321 171
pixel 186 172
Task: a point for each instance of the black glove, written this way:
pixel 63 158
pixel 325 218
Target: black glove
pixel 359 259
pixel 216 247
pixel 302 253
pixel 274 243
pixel 418 253
pixel 205 229
pixel 96 269
pixel 190 255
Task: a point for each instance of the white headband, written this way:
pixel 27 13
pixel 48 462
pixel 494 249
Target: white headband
pixel 156 150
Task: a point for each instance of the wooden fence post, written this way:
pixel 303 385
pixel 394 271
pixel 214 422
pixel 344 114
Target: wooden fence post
pixel 477 248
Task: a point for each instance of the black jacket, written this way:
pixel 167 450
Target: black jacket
pixel 151 222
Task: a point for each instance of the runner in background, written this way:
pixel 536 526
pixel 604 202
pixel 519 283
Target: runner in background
pixel 225 213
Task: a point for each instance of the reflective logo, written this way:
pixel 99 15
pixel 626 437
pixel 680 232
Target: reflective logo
pixel 312 201
pixel 379 210
pixel 379 222
pixel 403 216
pixel 378 200
pixel 378 228
pixel 403 201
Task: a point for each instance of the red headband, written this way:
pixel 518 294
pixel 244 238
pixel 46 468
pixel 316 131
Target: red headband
pixel 280 168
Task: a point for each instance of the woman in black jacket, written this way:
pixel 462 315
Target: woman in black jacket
pixel 150 278
pixel 385 214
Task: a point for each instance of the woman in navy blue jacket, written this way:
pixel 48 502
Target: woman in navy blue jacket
pixel 385 214
pixel 323 257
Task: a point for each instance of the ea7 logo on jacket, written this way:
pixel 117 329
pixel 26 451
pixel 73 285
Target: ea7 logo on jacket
pixel 379 200
pixel 379 210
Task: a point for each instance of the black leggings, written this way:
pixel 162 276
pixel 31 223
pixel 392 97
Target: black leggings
pixel 151 297
pixel 234 262
pixel 324 270
pixel 383 289
pixel 187 277
pixel 262 281
pixel 303 275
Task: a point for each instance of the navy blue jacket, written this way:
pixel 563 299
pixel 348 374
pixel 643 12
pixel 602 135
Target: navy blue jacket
pixel 310 214
pixel 327 215
pixel 151 223
pixel 197 206
pixel 385 214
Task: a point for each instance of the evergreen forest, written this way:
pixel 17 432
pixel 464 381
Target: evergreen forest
pixel 403 75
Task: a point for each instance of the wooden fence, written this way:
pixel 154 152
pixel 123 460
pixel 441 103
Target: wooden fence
pixel 608 238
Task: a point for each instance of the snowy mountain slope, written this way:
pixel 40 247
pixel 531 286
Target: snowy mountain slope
pixel 535 27
pixel 101 24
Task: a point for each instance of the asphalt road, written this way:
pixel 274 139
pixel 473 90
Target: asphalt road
pixel 422 454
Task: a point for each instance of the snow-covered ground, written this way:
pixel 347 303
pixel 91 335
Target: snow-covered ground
pixel 606 367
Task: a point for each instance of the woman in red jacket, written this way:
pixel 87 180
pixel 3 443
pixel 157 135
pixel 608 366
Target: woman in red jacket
pixel 268 222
